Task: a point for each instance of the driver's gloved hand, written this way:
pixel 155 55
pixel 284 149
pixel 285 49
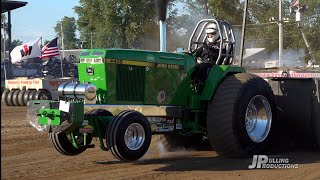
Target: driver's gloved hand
pixel 204 45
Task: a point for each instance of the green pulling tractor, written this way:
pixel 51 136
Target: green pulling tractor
pixel 124 96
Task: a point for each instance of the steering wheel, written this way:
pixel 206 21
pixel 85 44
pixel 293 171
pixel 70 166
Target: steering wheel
pixel 195 42
pixel 190 53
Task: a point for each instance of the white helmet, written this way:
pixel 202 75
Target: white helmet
pixel 212 28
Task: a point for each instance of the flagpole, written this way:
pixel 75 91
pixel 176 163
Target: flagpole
pixel 4 49
pixel 41 57
pixel 62 44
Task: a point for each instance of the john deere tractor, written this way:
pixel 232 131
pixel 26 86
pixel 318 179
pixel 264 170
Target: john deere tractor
pixel 124 96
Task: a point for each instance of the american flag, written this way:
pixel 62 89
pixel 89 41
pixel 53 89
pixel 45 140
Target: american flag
pixel 51 49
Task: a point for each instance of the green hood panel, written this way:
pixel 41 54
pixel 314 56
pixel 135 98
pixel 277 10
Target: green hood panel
pixel 126 76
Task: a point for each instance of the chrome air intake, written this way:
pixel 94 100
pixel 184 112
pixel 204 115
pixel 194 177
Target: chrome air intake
pixel 72 90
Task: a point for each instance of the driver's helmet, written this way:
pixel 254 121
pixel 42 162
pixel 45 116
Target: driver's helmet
pixel 212 32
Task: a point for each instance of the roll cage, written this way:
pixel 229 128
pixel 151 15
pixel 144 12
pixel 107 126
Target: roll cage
pixel 227 39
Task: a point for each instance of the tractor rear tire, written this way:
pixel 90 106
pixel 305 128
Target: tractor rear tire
pixel 62 143
pixel 242 104
pixel 4 97
pixel 317 130
pixel 15 97
pixel 129 135
pixel 318 137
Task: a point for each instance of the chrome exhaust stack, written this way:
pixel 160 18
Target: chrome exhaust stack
pixel 161 8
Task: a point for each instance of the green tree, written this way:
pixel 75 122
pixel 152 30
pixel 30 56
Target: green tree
pixel 263 33
pixel 260 32
pixel 46 42
pixel 3 26
pixel 116 23
pixel 16 42
pixel 311 29
pixel 183 23
pixel 227 10
pixel 69 32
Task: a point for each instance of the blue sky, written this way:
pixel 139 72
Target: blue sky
pixel 39 17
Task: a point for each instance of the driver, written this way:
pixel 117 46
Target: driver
pixel 210 49
pixel 207 54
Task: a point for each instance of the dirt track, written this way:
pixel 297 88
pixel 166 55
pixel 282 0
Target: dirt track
pixel 27 154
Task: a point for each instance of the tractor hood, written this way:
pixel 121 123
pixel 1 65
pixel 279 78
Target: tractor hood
pixel 126 76
pixel 157 59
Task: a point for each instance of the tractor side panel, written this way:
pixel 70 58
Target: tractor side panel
pixel 161 85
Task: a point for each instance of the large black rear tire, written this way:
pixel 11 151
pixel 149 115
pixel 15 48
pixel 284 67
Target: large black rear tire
pixel 242 103
pixel 129 135
pixel 317 128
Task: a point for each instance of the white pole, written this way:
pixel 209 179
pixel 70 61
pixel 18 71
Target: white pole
pixel 280 34
pixel 4 49
pixel 243 32
pixel 41 57
pixel 62 46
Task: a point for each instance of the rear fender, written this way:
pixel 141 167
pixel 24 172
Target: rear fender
pixel 215 77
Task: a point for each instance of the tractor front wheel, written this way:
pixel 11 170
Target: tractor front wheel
pixel 129 135
pixel 62 142
pixel 239 116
